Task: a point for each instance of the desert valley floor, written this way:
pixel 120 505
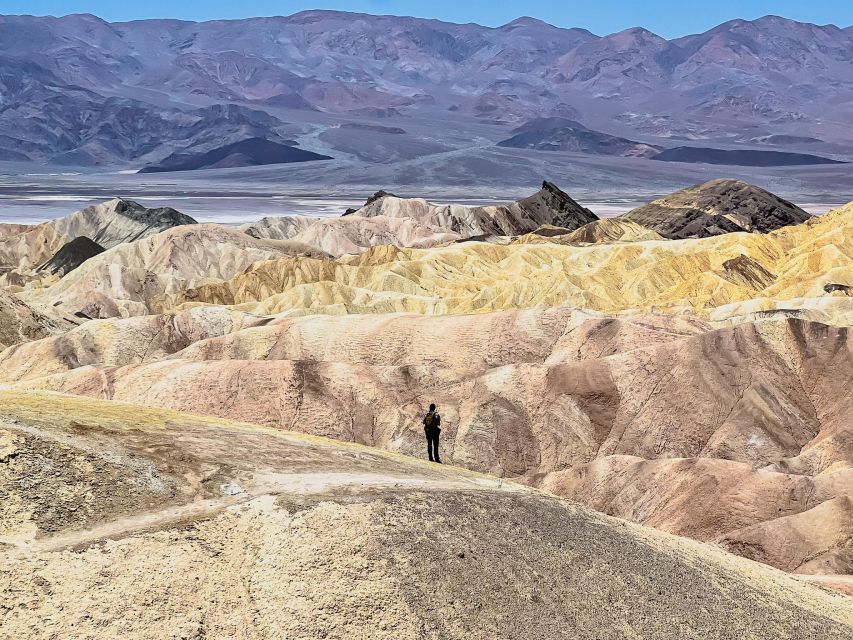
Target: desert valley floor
pixel 647 421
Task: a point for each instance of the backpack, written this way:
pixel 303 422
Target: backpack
pixel 431 421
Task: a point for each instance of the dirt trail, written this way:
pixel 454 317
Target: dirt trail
pixel 315 485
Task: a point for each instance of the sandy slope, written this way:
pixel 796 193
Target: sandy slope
pixel 20 322
pixel 163 524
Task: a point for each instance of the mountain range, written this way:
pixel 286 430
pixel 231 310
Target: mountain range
pixel 80 91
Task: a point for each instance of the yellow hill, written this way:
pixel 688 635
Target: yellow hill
pixel 670 276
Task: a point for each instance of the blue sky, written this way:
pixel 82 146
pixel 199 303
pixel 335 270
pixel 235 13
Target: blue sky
pixel 668 18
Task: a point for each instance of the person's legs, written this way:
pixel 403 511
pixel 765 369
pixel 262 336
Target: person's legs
pixel 429 447
pixel 435 445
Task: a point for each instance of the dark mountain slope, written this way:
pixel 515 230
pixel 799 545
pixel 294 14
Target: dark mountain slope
pixel 246 153
pixel 72 255
pixel 717 207
pixel 562 134
pixel 742 157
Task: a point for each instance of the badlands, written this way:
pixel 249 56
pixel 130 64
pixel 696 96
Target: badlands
pixel 212 431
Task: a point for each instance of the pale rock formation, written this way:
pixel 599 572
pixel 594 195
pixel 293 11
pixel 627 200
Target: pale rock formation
pixel 108 224
pixel 598 232
pixel 468 344
pixel 549 205
pixel 20 322
pixel 351 234
pixel 119 341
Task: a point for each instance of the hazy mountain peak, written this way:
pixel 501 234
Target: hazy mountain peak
pixel 635 35
pixel 526 21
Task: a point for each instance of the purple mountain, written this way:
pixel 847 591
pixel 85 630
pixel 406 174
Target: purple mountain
pixel 79 90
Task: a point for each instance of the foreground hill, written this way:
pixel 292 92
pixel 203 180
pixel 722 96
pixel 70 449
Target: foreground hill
pixel 239 531
pixel 716 207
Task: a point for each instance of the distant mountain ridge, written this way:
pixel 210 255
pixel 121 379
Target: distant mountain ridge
pixel 78 90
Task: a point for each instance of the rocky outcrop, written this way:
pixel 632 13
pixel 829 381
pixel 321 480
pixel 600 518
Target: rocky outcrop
pixel 71 256
pixel 20 322
pixel 549 205
pixel 717 207
pixel 834 287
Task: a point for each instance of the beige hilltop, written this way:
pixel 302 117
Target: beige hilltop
pixel 24 247
pixel 548 206
pixel 414 222
pixel 123 280
pixel 597 232
pixel 351 234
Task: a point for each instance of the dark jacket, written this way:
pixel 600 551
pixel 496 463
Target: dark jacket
pixel 435 427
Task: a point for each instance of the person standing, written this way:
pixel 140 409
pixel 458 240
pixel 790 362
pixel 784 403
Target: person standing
pixel 432 429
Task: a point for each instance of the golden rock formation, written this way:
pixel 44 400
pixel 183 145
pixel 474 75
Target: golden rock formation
pixel 698 275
